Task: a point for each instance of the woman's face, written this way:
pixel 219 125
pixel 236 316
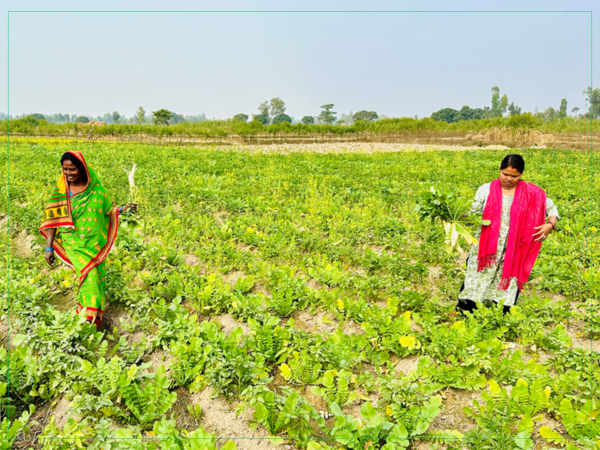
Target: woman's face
pixel 72 173
pixel 509 177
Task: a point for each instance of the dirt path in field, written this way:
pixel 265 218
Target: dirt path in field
pixel 219 417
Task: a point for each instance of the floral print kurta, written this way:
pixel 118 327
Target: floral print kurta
pixel 483 285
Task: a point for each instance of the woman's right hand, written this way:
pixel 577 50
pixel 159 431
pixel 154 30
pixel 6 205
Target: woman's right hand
pixel 50 258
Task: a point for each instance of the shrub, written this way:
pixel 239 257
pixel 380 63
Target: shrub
pixel 262 118
pixel 282 118
pixel 241 117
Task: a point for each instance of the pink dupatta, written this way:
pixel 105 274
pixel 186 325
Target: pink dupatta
pixel 528 210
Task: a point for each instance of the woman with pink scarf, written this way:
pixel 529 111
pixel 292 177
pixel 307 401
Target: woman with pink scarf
pixel 521 218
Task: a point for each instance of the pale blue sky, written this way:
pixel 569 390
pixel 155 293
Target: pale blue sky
pixel 224 63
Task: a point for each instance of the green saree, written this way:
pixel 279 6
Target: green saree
pixel 86 225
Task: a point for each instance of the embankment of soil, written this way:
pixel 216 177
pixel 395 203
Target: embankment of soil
pixel 509 137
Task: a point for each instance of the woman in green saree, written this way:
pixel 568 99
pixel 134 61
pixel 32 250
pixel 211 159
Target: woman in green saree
pixel 80 226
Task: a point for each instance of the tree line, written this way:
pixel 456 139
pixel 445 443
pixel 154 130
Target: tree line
pixel 269 112
pixel 273 112
pixel 501 108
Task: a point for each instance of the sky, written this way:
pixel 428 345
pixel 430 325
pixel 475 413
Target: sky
pixel 224 62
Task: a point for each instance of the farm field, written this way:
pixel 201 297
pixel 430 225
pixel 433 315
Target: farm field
pixel 293 298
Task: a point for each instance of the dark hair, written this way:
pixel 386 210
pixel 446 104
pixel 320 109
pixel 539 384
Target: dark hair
pixel 70 157
pixel 514 161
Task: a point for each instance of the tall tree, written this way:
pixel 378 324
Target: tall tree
pixel 276 107
pixel 347 118
pixel 161 117
pixel 308 120
pixel 263 108
pixel 116 116
pixel 574 111
pixel 513 109
pixel 327 115
pixel 503 105
pixel 140 116
pixel 550 114
pixel 495 101
pixel 592 102
pixel 562 112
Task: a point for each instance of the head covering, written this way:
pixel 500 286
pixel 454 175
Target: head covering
pixel 528 211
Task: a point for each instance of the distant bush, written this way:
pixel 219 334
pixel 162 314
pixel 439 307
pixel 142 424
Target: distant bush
pixel 262 118
pixel 82 119
pixel 241 117
pixel 37 117
pixel 466 113
pixel 525 120
pixel 223 128
pixel 308 120
pixel 281 118
pixel 367 116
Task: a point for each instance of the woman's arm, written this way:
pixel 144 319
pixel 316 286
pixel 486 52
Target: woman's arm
pixel 551 217
pixel 49 254
pixel 479 201
pixel 551 211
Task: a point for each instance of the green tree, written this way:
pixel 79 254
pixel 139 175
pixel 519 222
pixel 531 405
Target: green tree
pixel 263 108
pixel 513 109
pixel 525 120
pixel 176 118
pixel 327 115
pixel 140 116
pixel 262 118
pixel 562 112
pixel 503 105
pixel 367 116
pixel 37 116
pixel 468 113
pixel 116 116
pixel 241 117
pixel 574 111
pixel 446 115
pixel 280 118
pixel 592 102
pixel 276 107
pixel 347 118
pixel 308 120
pixel 496 102
pixel 82 119
pixel 161 117
pixel 550 114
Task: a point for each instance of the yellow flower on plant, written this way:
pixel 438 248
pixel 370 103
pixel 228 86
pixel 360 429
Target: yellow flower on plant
pixel 340 303
pixel 409 342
